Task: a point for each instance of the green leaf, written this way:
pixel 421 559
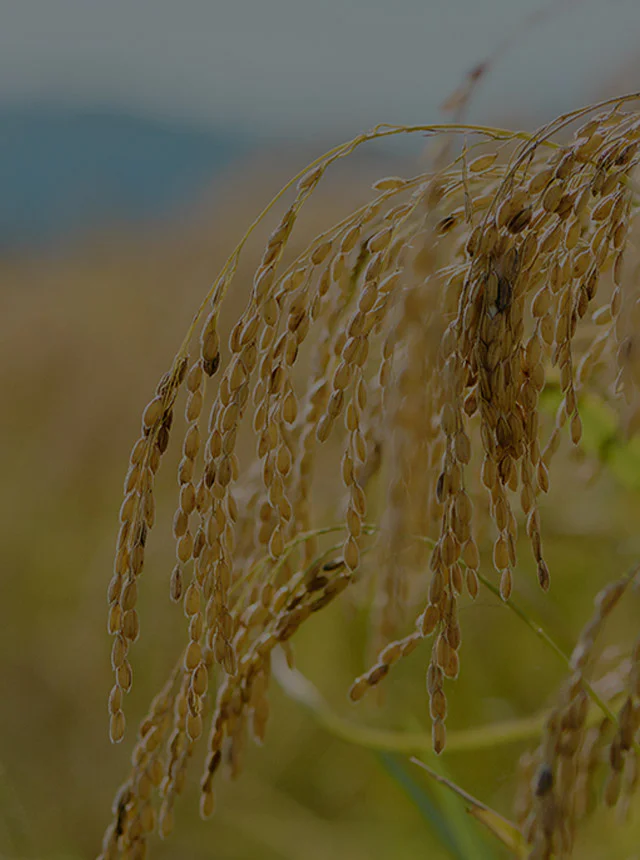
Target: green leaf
pixel 439 823
pixel 505 830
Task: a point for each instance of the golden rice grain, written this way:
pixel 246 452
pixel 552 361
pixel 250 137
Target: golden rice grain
pixel 432 318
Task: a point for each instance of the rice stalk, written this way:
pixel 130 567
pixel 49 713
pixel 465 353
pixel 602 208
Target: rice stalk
pixel 411 341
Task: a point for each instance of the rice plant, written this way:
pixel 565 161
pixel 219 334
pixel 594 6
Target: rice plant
pixel 403 355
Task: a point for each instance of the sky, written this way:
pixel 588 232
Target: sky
pixel 305 67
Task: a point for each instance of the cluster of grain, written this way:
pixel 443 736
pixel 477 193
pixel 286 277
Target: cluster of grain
pixel 560 781
pixel 430 319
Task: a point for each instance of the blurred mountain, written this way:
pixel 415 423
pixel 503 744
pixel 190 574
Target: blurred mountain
pixel 66 171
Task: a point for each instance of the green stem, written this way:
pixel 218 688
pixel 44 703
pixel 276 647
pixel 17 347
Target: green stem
pixel 542 634
pixel 299 688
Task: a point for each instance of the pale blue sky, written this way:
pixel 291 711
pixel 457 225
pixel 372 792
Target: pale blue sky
pixel 300 66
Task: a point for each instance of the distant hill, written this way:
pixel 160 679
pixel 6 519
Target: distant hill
pixel 64 171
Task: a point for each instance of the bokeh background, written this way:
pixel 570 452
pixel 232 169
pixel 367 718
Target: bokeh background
pixel 137 141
